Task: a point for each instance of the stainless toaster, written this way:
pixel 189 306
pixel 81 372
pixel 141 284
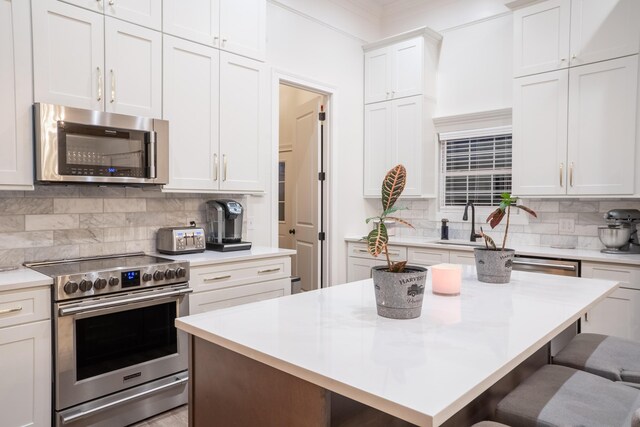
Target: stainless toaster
pixel 180 240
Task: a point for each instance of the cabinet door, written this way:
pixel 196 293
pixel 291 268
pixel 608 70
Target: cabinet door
pixel 617 315
pixel 244 131
pixel 602 127
pixel 540 134
pixel 464 258
pixel 133 63
pixel 407 141
pixel 199 22
pixel 25 395
pixel 68 55
pixel 16 137
pixel 604 29
pixel 243 27
pixel 407 70
pixel 360 269
pixel 190 103
pixel 94 5
pixel 228 297
pixel 541 37
pixel 147 13
pixel 377 75
pixel 377 146
pixel 426 256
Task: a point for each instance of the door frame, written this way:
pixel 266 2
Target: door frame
pixel 329 266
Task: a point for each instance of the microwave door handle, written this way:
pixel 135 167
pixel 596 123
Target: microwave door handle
pixel 150 140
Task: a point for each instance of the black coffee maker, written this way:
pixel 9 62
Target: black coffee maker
pixel 224 226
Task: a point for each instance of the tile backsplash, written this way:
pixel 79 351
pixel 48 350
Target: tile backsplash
pixel 559 222
pixel 55 222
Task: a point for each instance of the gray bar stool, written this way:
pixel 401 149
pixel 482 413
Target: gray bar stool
pixel 560 396
pixel 613 358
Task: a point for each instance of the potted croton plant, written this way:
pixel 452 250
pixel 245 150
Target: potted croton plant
pixel 494 265
pixel 399 288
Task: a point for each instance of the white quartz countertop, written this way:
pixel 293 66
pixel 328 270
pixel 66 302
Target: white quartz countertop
pixel 540 251
pixel 422 370
pixel 22 278
pixel 214 257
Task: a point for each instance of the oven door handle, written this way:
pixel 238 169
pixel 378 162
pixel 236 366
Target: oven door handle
pixel 66 311
pixel 178 381
pixel 546 265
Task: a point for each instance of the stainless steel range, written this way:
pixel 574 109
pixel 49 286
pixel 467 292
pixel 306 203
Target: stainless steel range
pixel 118 357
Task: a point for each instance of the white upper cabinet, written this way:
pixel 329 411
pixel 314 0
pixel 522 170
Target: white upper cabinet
pixel 147 13
pixel 602 127
pixel 68 55
pixel 236 26
pixel 133 72
pixel 394 71
pixel 72 68
pixel 16 135
pixel 377 149
pixel 557 34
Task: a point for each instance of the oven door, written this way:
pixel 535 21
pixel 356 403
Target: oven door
pixel 104 345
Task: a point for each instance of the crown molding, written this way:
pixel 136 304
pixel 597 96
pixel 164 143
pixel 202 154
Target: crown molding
pixel 429 34
pixel 476 120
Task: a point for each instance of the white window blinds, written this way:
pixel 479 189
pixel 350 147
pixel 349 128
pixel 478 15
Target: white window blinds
pixel 475 166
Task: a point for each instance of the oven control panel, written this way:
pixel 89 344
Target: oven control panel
pixel 119 280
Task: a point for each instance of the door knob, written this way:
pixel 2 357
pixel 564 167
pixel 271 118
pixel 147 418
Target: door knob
pixel 292 231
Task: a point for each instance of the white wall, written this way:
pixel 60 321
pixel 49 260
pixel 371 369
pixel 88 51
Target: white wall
pixel 306 48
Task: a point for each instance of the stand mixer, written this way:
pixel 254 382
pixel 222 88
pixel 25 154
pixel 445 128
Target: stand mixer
pixel 620 235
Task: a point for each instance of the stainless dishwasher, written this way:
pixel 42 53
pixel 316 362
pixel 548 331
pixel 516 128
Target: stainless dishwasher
pixel 558 267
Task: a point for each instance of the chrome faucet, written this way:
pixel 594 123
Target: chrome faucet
pixel 465 217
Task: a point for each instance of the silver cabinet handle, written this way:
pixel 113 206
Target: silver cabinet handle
pixel 215 167
pixel 65 311
pixel 224 162
pixel 574 56
pixel 10 310
pixel 269 270
pixel 213 279
pixel 111 2
pixel 366 251
pixel 393 94
pixel 561 167
pixel 224 41
pixel 571 174
pixel 215 41
pixel 113 86
pixel 99 84
pixel 563 59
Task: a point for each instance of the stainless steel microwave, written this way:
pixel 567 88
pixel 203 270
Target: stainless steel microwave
pixel 73 145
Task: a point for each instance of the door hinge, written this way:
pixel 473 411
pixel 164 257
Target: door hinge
pixel 322 176
pixel 322 115
pixel 321 236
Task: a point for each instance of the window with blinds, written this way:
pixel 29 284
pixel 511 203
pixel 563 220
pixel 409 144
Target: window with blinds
pixel 475 166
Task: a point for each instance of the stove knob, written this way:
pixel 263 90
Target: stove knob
pixel 114 281
pixel 146 277
pixel 70 287
pixel 181 272
pixel 158 275
pixel 170 273
pixel 100 283
pixel 86 285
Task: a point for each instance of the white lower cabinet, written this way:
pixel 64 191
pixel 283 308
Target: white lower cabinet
pixel 462 257
pixel 426 256
pixel 619 313
pixel 25 355
pixel 360 268
pixel 234 283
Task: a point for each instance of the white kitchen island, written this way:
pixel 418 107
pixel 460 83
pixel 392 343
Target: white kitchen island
pixel 291 355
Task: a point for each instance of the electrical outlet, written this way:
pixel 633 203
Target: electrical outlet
pixel 567 225
pixel 250 225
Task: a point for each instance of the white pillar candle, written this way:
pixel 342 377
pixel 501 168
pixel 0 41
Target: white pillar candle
pixel 446 279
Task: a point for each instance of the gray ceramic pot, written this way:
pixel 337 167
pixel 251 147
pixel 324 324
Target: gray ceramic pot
pixel 399 295
pixel 493 266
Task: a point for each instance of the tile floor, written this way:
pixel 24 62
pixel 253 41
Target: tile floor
pixel 177 417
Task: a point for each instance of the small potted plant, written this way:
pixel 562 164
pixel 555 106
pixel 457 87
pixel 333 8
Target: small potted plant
pixel 494 265
pixel 399 288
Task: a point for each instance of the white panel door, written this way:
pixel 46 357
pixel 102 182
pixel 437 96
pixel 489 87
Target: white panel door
pixel 541 37
pixel 407 68
pixel 133 63
pixel 243 27
pixel 617 315
pixel 377 75
pixel 406 141
pixel 147 13
pixel 604 29
pixel 94 5
pixel 199 22
pixel 377 146
pixel 244 132
pixel 190 103
pixel 16 136
pixel 602 127
pixel 540 134
pixel 25 395
pixel 68 55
